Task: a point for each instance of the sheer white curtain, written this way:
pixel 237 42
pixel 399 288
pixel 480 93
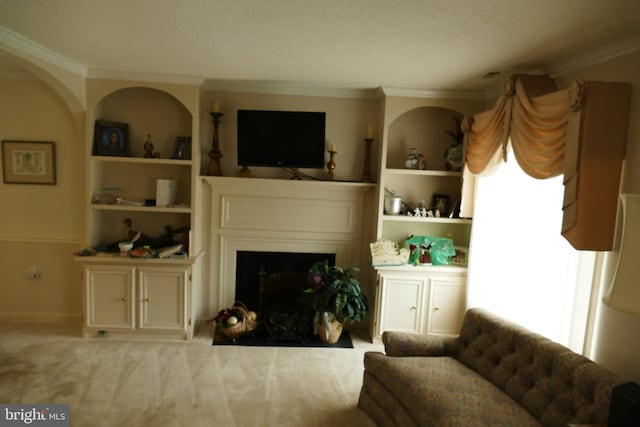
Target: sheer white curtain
pixel 521 267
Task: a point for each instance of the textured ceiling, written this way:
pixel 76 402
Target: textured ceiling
pixel 413 44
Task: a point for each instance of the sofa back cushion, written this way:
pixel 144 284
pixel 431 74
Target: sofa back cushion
pixel 554 384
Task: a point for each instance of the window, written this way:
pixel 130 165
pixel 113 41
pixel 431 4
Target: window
pixel 521 267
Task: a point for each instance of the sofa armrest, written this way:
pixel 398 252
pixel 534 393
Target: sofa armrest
pixel 400 344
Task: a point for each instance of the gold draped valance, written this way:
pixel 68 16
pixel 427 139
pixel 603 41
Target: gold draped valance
pixel 579 132
pixel 533 116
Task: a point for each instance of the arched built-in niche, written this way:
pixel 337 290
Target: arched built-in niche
pixel 147 111
pixel 424 128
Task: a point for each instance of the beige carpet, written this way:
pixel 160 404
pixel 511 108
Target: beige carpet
pixel 109 382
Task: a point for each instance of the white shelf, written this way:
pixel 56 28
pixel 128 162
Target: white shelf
pixel 407 218
pixel 120 260
pixel 154 209
pixel 422 268
pixel 427 172
pixel 141 160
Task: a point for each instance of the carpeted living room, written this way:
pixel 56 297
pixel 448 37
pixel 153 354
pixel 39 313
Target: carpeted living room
pixel 181 383
pixel 298 213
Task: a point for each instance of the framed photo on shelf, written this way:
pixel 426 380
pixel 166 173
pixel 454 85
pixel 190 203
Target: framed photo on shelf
pixel 440 202
pixel 29 162
pixel 111 139
pixel 182 148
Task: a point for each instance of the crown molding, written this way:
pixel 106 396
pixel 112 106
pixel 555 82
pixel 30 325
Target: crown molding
pixel 594 56
pixel 438 94
pixel 288 88
pixel 14 42
pixel 180 79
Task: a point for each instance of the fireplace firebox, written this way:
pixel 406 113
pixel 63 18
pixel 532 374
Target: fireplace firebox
pixel 272 284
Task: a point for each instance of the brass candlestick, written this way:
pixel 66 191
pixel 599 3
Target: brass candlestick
pixel 215 155
pixel 366 171
pixel 331 165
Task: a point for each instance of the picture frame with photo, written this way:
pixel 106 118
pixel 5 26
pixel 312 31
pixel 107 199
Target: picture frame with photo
pixel 182 148
pixel 440 202
pixel 111 139
pixel 29 162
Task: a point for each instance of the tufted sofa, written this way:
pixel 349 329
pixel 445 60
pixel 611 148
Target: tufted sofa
pixel 495 373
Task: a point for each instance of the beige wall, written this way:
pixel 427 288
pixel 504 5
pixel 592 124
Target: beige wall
pixel 617 346
pixel 40 225
pixel 346 126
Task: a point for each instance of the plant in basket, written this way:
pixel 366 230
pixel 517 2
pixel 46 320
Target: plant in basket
pixel 232 322
pixel 337 299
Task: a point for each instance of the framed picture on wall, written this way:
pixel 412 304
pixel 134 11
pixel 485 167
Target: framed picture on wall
pixel 111 139
pixel 29 162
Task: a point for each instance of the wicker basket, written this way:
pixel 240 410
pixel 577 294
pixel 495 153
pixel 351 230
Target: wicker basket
pixel 240 328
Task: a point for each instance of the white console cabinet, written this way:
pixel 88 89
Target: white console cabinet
pixel 137 300
pixel 422 300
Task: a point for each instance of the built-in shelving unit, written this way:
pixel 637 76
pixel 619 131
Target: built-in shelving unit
pixel 163 113
pixel 420 299
pixel 141 296
pixel 424 128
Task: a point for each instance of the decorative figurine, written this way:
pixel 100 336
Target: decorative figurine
pixel 425 254
pixel 422 163
pixel 132 235
pixel 148 148
pixel 412 159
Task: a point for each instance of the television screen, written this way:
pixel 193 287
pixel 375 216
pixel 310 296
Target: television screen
pixel 293 139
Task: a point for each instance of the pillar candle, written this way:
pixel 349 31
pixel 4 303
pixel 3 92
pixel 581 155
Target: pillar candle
pixel 370 132
pixel 332 147
pixel 216 107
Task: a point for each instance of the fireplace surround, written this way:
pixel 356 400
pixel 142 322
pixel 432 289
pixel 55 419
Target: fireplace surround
pixel 280 216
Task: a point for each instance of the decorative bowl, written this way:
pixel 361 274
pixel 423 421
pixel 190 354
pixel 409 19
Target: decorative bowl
pixel 125 247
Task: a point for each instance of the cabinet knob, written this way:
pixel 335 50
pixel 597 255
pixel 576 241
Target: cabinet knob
pixel 413 308
pixel 436 308
pixel 123 299
pixel 147 299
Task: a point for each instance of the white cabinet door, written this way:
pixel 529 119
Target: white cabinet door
pixel 447 304
pixel 401 304
pixel 162 303
pixel 109 297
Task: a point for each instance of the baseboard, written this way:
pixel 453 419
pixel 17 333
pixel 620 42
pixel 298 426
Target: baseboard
pixel 34 317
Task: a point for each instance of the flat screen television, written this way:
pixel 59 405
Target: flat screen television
pixel 290 139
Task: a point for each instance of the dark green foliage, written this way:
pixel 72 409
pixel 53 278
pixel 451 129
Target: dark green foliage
pixel 337 291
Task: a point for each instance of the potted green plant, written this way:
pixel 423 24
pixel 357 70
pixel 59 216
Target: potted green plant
pixel 336 297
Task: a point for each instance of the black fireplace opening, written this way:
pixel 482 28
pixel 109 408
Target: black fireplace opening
pixel 273 284
pixel 254 266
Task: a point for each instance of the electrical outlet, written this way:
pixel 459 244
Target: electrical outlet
pixel 33 273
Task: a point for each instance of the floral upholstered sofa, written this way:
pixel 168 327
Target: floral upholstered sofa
pixel 495 373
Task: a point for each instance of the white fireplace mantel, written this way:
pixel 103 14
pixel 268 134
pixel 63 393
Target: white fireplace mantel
pixel 275 215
